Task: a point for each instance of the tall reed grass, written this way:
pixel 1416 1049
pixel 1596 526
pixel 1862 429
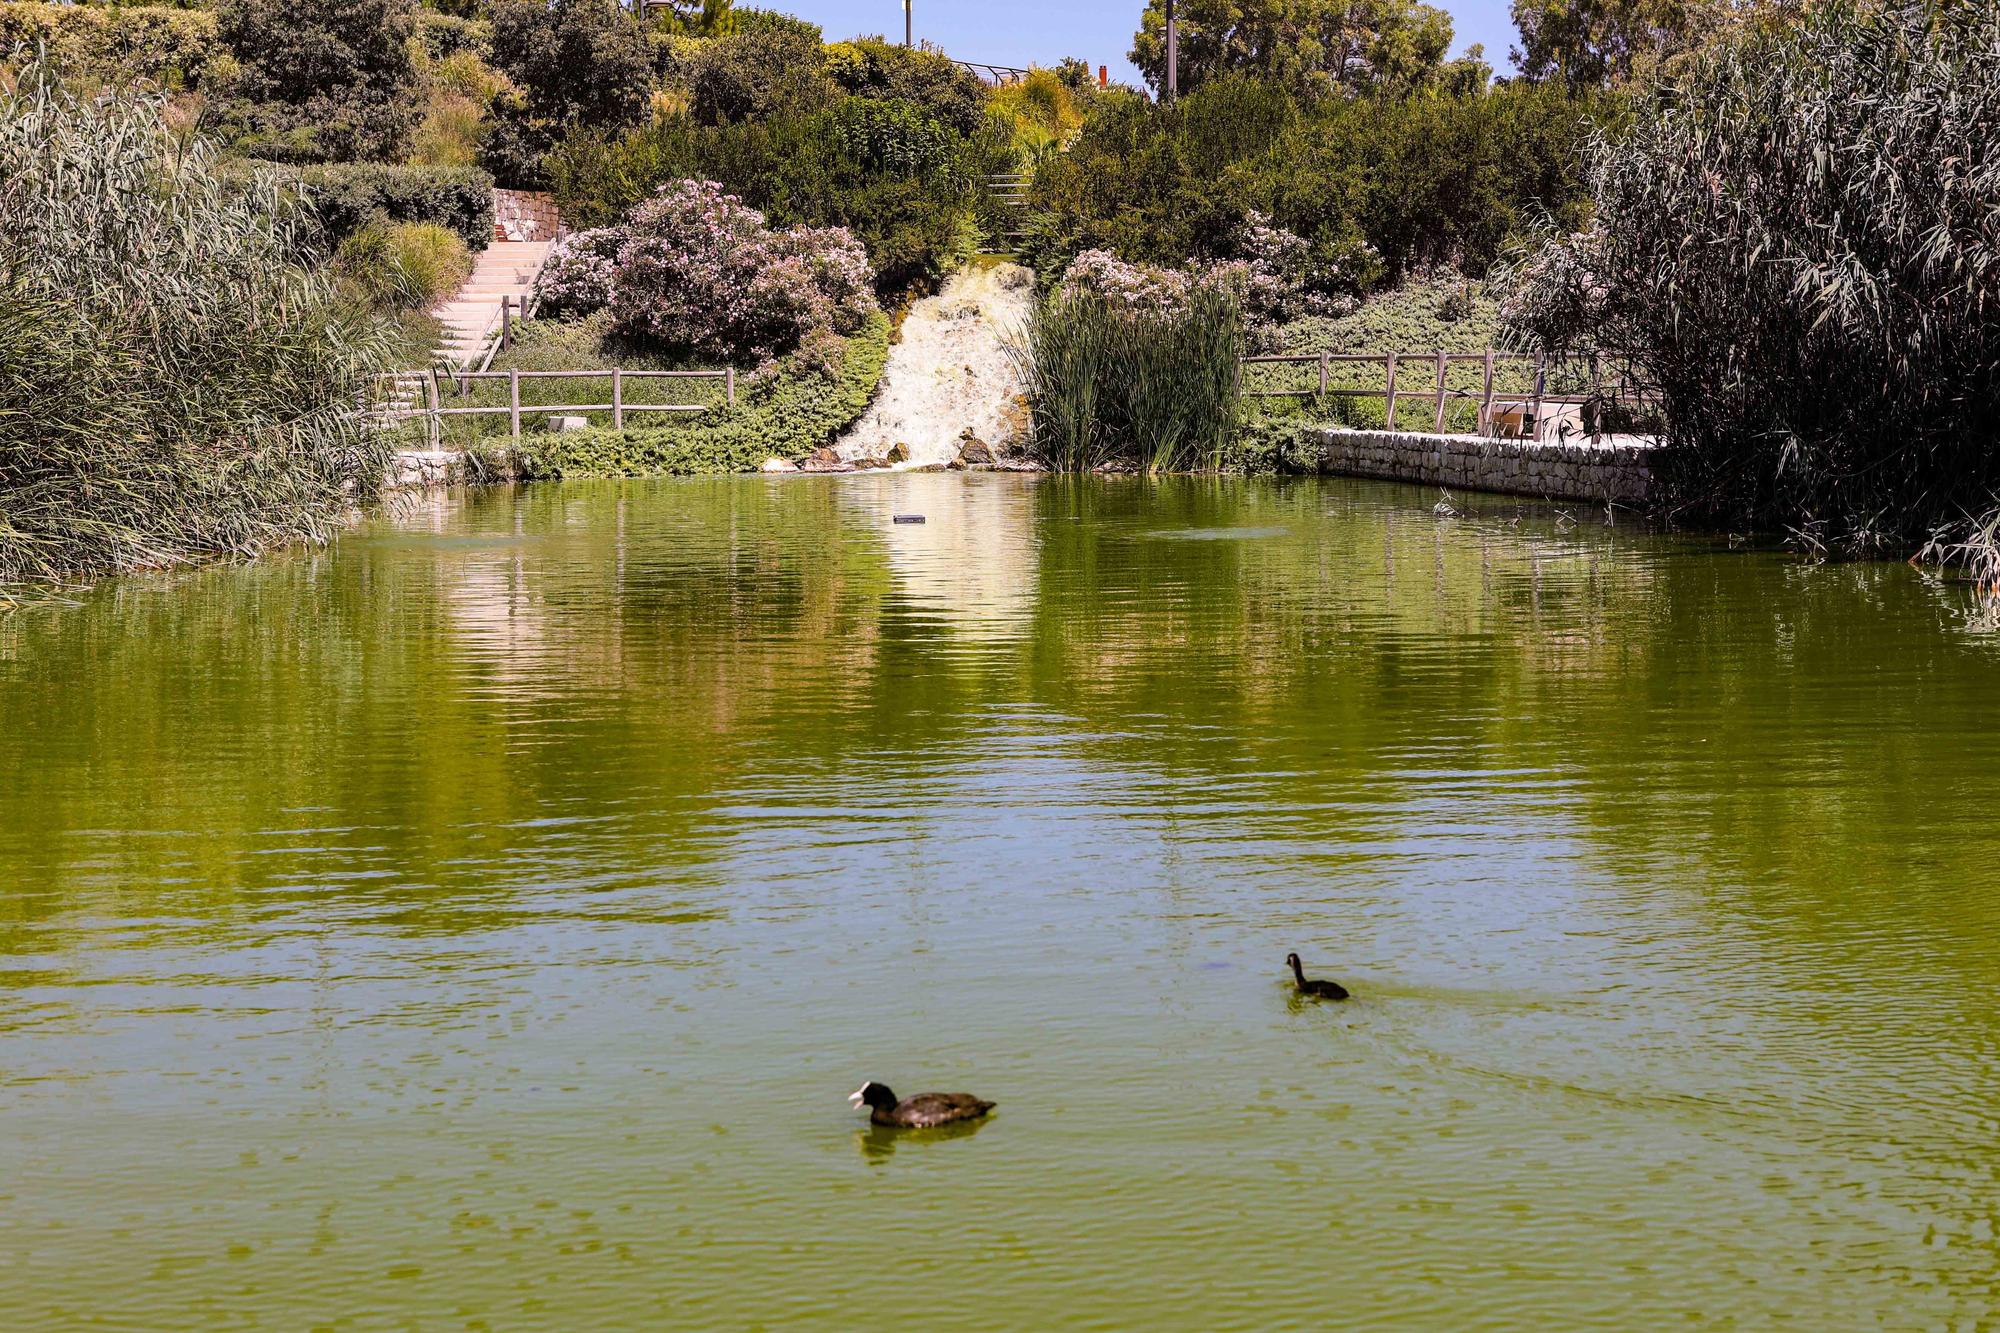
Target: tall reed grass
pixel 173 382
pixel 1111 386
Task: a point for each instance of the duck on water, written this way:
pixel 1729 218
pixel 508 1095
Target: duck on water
pixel 1312 988
pixel 926 1110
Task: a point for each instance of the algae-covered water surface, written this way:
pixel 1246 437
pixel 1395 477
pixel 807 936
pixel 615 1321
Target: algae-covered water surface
pixel 481 922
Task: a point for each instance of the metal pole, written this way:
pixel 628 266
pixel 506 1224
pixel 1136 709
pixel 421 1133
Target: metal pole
pixel 1173 53
pixel 907 29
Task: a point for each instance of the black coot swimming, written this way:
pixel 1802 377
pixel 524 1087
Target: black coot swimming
pixel 923 1111
pixel 1312 988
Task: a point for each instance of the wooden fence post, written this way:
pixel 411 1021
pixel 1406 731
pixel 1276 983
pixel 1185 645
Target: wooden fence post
pixel 617 399
pixel 1486 397
pixel 1320 399
pixel 506 333
pixel 1596 401
pixel 514 403
pixel 729 383
pixel 1541 374
pixel 431 402
pixel 1389 393
pixel 1439 427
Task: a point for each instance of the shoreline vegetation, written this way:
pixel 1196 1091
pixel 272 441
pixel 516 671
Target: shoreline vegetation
pixel 182 371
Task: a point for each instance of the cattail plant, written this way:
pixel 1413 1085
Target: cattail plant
pixel 173 381
pixel 1111 384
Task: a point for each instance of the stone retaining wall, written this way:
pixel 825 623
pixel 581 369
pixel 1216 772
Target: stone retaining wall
pixel 525 215
pixel 1614 471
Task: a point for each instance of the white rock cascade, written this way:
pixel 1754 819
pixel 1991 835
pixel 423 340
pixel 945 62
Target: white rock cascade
pixel 949 373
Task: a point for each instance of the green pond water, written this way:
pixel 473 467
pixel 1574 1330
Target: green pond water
pixel 481 923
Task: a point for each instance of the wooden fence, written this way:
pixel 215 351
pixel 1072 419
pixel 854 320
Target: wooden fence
pixel 1517 411
pixel 433 411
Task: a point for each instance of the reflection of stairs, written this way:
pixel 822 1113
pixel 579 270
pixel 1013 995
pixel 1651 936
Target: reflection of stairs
pixel 471 318
pixel 1008 192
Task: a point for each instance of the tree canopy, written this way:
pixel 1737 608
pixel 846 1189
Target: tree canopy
pixel 1309 46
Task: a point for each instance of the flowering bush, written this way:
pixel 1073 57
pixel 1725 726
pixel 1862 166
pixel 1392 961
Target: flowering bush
pixel 697 270
pixel 580 274
pixel 1134 288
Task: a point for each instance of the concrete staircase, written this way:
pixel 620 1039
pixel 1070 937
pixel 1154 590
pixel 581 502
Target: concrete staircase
pixel 1009 191
pixel 471 318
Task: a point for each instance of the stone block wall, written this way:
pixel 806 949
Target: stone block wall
pixel 1614 471
pixel 525 215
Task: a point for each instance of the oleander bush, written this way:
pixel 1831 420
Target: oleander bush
pixel 173 382
pixel 1795 243
pixel 114 44
pixel 696 271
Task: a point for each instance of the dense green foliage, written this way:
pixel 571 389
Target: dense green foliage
pixel 1590 42
pixel 346 195
pixel 1796 244
pixel 334 80
pixel 172 383
pixel 904 185
pixel 1419 179
pixel 168 46
pixel 1109 384
pixel 1307 46
pixel 579 65
pixel 786 415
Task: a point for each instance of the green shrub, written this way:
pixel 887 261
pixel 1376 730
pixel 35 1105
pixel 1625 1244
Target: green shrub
pixel 172 382
pixel 578 65
pixel 1795 244
pixel 332 81
pixel 404 266
pixel 756 74
pixel 788 415
pixel 345 196
pixel 171 47
pixel 1110 385
pixel 799 171
pixel 442 36
pixel 1423 179
pixel 870 67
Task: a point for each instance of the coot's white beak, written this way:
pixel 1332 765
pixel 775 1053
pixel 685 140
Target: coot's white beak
pixel 855 1096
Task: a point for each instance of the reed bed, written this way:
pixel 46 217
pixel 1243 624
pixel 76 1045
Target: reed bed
pixel 174 382
pixel 1109 386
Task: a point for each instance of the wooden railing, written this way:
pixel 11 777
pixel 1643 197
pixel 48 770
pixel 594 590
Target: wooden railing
pixel 433 411
pixel 1523 411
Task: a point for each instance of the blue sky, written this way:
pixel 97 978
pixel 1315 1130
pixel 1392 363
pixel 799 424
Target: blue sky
pixel 1023 32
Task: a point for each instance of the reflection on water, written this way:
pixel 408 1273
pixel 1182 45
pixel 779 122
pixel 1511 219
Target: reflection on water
pixel 482 922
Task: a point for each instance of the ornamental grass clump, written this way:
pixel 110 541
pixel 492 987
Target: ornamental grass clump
pixel 1797 242
pixel 173 383
pixel 1126 377
pixel 696 271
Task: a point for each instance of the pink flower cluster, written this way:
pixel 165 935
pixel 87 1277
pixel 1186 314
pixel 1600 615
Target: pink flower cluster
pixel 1274 277
pixel 700 271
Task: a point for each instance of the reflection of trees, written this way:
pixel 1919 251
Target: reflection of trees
pixel 624 655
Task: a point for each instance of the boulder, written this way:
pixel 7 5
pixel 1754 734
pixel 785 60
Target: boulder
pixel 824 460
pixel 780 465
pixel 562 425
pixel 974 450
pixel 899 452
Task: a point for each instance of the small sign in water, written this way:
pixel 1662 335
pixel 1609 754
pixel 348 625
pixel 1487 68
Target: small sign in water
pixel 909 518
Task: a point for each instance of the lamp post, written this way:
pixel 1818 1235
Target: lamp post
pixel 906 24
pixel 1173 51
